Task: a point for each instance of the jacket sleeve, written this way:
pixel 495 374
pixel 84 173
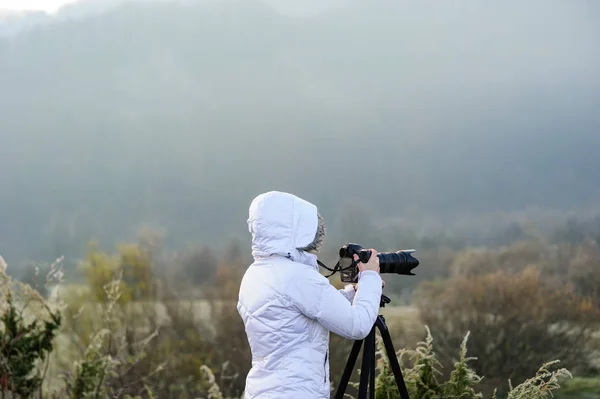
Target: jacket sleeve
pixel 313 295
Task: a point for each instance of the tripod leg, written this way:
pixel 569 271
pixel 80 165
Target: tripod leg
pixel 365 367
pixel 391 354
pixel 372 369
pixel 339 394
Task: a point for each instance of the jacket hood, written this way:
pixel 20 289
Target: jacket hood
pixel 281 223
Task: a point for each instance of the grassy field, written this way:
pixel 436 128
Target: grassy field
pixel 202 310
pixel 403 321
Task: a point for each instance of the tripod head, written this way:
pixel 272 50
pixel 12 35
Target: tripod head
pixel 384 301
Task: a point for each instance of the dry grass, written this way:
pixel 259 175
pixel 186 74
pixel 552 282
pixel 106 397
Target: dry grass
pixel 203 309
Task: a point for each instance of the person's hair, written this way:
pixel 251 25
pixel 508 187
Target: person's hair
pixel 317 243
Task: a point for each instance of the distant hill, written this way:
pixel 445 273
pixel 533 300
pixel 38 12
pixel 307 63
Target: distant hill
pixel 177 113
pixel 15 22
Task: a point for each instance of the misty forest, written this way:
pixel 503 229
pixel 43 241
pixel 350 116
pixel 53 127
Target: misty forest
pixel 134 135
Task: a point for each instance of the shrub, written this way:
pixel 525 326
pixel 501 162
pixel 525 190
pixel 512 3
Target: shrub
pixel 26 335
pixel 22 346
pixel 187 332
pixel 517 320
pixel 584 269
pixel 230 351
pixel 196 266
pixel 131 262
pixel 423 377
pixel 109 365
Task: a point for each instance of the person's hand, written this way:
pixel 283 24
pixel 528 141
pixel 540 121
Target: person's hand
pixel 372 264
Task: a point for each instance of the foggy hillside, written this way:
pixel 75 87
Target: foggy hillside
pixel 177 114
pixel 13 23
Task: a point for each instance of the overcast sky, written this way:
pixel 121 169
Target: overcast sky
pixel 46 5
pixel 291 7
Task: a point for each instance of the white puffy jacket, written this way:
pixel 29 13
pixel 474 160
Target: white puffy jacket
pixel 288 307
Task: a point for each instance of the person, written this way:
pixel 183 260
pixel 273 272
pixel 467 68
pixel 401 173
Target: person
pixel 289 308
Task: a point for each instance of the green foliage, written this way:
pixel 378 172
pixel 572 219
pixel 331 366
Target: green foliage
pixel 580 388
pixel 463 380
pixel 422 377
pixel 22 346
pixel 424 383
pixel 90 373
pixel 131 262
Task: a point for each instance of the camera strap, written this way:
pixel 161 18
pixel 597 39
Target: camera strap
pixel 337 267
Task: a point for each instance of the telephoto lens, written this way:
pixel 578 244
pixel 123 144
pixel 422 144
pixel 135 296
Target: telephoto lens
pixel 399 262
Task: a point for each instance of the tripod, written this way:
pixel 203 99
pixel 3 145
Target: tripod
pixel 367 376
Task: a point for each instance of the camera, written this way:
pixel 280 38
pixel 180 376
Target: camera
pixel 399 262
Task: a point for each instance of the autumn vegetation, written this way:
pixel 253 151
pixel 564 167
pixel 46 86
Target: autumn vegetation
pixel 519 320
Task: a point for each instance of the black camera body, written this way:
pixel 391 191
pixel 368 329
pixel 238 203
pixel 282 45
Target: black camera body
pixel 399 262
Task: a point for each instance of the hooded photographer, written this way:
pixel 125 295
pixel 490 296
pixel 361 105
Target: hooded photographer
pixel 289 308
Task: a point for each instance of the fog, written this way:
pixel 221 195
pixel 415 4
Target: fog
pixel 436 116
